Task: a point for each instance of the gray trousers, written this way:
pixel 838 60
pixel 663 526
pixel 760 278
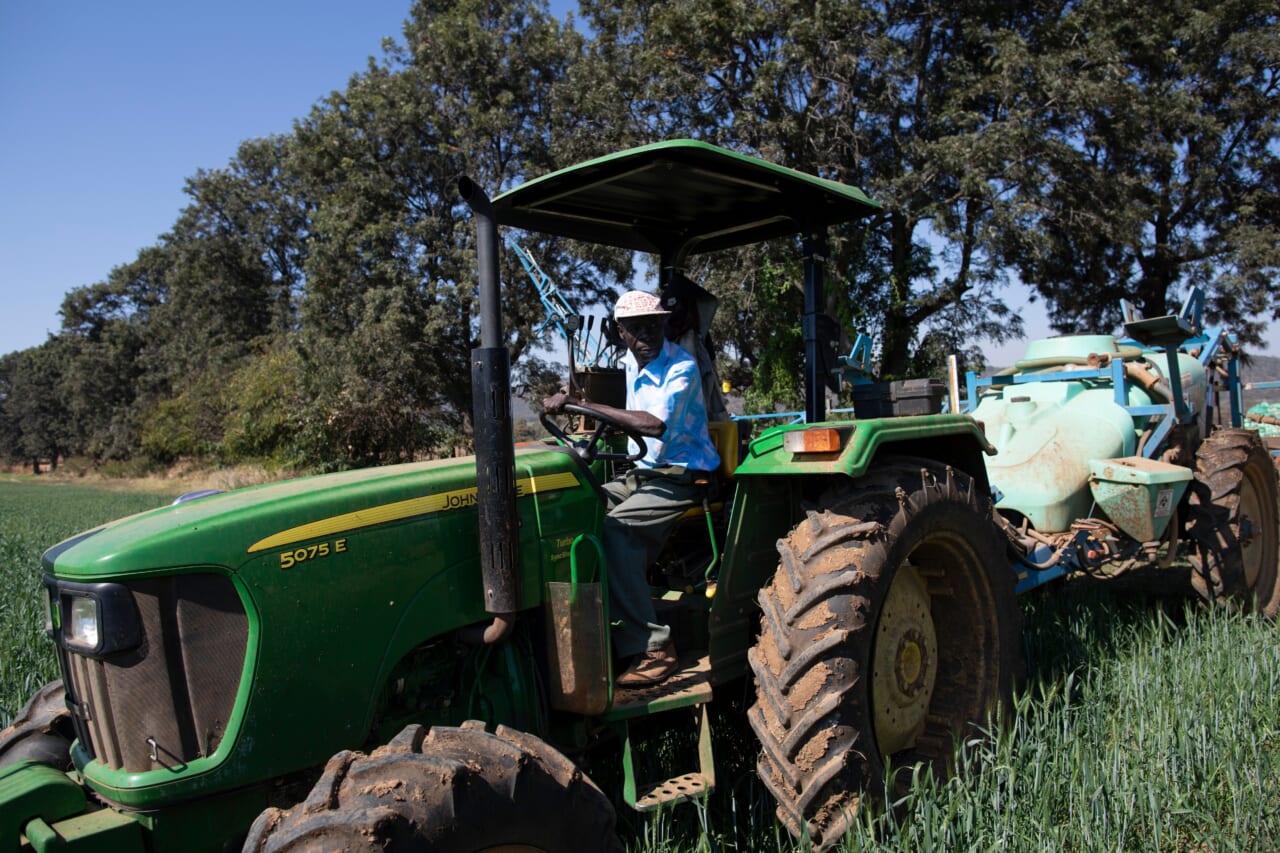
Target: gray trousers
pixel 642 506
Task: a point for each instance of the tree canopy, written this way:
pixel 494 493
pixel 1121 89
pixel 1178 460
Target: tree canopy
pixel 1154 164
pixel 314 304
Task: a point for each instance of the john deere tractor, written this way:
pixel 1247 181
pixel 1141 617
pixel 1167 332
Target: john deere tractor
pixel 419 656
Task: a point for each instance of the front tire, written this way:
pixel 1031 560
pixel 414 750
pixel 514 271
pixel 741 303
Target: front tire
pixel 452 790
pixel 889 627
pixel 42 731
pixel 1233 523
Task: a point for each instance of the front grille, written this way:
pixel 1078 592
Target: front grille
pixel 169 700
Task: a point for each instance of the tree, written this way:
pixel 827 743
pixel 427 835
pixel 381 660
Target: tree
pixel 237 252
pixel 105 333
pixel 10 434
pixel 33 420
pixel 389 315
pixel 1157 165
pixel 233 279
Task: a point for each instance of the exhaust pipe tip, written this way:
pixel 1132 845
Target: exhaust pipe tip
pixel 466 188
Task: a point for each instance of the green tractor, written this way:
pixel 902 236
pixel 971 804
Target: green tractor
pixel 419 655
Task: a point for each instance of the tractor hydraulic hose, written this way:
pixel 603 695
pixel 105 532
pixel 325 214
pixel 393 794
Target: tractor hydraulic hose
pixel 1095 360
pixel 491 417
pixel 1149 381
pixel 1025 540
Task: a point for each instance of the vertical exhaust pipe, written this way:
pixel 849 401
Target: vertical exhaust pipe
pixel 953 383
pixel 491 419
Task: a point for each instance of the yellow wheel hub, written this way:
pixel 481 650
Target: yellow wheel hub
pixel 904 662
pixel 1256 540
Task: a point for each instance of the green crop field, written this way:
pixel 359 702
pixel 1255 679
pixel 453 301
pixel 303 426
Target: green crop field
pixel 33 516
pixel 1142 725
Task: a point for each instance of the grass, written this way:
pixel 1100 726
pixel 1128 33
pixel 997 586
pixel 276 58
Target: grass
pixel 1143 724
pixel 1161 735
pixel 33 516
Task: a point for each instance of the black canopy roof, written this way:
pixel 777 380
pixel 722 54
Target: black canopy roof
pixel 680 196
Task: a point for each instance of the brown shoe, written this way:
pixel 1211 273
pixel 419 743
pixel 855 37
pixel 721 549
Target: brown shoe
pixel 650 668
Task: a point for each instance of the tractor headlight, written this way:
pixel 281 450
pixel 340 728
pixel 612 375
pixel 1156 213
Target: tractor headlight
pixel 94 618
pixel 82 628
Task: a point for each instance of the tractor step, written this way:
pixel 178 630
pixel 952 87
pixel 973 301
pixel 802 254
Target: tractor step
pixel 675 790
pixel 646 796
pixel 688 686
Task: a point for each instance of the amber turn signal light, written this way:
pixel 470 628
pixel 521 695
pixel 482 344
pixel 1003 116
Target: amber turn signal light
pixel 816 440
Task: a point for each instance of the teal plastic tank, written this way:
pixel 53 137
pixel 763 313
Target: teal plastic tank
pixel 1068 348
pixel 1049 434
pixel 1046 433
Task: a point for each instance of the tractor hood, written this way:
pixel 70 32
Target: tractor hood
pixel 199 638
pixel 680 196
pixel 233 528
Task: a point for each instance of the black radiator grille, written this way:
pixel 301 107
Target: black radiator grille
pixel 168 701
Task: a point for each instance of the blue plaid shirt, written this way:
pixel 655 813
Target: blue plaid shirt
pixel 669 389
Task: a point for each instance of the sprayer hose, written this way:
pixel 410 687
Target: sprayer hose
pixel 1125 352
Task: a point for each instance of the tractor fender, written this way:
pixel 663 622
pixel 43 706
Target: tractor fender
pixel 956 440
pixel 774 483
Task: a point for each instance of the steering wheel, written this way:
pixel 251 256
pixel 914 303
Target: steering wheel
pixel 587 449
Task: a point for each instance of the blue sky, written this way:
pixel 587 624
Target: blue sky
pixel 106 108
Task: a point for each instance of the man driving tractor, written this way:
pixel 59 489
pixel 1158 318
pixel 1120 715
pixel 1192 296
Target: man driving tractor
pixel 665 405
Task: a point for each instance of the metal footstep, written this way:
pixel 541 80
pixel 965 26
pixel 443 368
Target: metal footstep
pixel 672 791
pixel 648 796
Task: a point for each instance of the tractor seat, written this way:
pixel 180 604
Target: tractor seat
pixel 726 436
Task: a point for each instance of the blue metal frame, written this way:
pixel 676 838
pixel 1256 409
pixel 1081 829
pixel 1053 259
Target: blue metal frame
pixel 1114 373
pixel 855 368
pixel 589 349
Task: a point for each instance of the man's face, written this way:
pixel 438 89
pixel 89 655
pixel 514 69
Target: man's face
pixel 642 336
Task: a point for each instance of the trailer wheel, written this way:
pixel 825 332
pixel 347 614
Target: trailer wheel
pixel 42 731
pixel 450 789
pixel 889 628
pixel 1233 523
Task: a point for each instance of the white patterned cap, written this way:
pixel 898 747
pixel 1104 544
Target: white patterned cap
pixel 637 303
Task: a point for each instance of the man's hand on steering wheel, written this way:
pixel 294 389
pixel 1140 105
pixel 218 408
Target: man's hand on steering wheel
pixel 606 419
pixel 554 404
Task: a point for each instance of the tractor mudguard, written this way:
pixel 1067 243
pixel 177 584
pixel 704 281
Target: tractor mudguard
pixel 951 439
pixel 772 481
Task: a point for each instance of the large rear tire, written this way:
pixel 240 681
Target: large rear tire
pixel 1233 524
pixel 889 628
pixel 449 790
pixel 42 731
